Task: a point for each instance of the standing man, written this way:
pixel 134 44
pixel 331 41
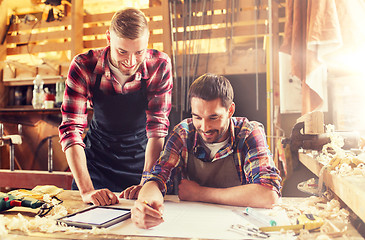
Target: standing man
pixel 222 159
pixel 129 88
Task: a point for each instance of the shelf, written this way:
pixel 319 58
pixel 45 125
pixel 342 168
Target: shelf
pixel 349 189
pixel 29 81
pixel 27 115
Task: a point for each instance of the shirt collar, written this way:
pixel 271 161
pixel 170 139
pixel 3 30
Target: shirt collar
pixel 102 66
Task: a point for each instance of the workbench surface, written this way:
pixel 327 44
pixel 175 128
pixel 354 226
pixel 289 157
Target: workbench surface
pixel 350 189
pixel 72 202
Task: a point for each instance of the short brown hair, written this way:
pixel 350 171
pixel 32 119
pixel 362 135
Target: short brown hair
pixel 129 23
pixel 210 87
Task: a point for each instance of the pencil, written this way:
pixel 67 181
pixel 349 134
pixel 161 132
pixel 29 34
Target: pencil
pixel 148 204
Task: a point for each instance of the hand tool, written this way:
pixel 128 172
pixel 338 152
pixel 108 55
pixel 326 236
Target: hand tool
pixel 8 201
pixel 305 221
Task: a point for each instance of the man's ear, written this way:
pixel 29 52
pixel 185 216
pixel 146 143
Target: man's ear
pixel 232 109
pixel 107 37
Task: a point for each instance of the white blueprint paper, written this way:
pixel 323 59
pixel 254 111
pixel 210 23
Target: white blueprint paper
pixel 195 220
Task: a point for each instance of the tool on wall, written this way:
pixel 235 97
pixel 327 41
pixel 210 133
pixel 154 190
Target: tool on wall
pixel 11 22
pixel 11 140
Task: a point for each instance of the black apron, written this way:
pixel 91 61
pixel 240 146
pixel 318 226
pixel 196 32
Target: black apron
pixel 116 141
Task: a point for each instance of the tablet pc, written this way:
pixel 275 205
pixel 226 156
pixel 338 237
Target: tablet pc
pixel 96 216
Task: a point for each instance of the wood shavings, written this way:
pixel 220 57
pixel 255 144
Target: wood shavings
pixel 340 162
pixel 331 229
pixel 319 206
pixel 323 237
pixel 45 224
pixel 309 205
pixel 3 230
pixel 327 231
pixel 98 231
pixel 335 144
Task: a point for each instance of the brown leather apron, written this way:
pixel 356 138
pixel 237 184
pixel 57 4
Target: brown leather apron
pixel 221 173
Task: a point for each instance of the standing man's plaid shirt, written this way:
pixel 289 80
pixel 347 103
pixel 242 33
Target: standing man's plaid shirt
pixel 81 79
pixel 247 143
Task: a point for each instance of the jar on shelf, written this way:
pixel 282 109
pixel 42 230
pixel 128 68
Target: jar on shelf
pixel 49 99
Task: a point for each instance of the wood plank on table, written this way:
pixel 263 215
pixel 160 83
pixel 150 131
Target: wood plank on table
pixel 31 178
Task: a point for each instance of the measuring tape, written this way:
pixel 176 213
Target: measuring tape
pixel 305 221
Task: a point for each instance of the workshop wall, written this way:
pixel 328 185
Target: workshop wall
pixel 223 37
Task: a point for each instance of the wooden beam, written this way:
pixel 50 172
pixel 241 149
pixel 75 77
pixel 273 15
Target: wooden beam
pixel 38 37
pixel 275 70
pixel 29 179
pixel 39 48
pixel 247 30
pixel 77 27
pixel 3 24
pixel 313 122
pixel 242 63
pixel 219 19
pixel 40 25
pixel 98 18
pixel 96 30
pixel 167 39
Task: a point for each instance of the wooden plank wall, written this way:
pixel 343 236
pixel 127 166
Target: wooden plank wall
pixel 235 30
pixel 42 36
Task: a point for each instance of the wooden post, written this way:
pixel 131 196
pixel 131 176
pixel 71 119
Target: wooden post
pixel 275 63
pixel 3 25
pixel 167 41
pixel 77 27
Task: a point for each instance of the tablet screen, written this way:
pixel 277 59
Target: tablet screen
pixel 97 216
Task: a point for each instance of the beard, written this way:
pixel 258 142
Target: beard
pixel 123 69
pixel 128 71
pixel 215 135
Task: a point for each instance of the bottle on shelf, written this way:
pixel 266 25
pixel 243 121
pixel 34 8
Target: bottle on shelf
pixel 38 93
pixel 60 90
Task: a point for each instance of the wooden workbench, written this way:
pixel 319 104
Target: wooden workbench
pixel 349 189
pixel 72 201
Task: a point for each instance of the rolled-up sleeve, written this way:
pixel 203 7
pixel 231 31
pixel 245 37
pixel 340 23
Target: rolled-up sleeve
pixel 171 157
pixel 259 166
pixel 74 108
pixel 159 96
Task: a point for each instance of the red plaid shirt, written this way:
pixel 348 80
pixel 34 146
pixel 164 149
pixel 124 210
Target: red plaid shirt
pixel 81 78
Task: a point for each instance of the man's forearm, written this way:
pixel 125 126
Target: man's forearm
pixel 76 159
pixel 153 150
pixel 250 195
pixel 253 195
pixel 150 190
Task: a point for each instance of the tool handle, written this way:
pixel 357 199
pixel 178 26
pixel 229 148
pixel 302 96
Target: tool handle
pixel 31 203
pixel 260 216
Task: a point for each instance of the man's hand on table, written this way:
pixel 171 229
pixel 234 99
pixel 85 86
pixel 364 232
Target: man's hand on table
pixel 147 214
pixel 100 197
pixel 148 208
pixel 131 192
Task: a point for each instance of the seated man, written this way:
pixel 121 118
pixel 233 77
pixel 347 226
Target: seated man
pixel 222 159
